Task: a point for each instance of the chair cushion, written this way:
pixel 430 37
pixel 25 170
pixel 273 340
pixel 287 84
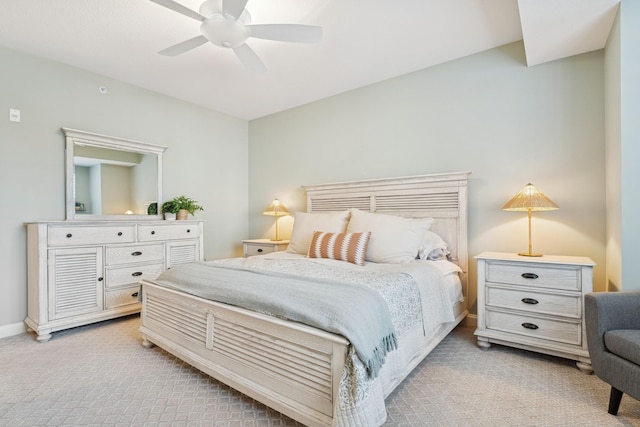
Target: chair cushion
pixel 624 343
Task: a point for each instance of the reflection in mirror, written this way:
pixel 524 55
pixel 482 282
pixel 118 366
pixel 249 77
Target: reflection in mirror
pixel 111 178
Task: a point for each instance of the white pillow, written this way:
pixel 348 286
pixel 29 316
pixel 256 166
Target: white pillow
pixel 304 224
pixel 433 247
pixel 394 239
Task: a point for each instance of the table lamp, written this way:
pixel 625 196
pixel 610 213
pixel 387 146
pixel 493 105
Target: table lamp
pixel 277 209
pixel 529 199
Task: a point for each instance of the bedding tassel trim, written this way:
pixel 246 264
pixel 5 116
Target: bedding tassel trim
pixel 375 363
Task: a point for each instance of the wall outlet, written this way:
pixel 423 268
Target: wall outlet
pixel 14 115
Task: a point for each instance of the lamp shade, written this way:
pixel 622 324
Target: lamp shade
pixel 530 199
pixel 276 208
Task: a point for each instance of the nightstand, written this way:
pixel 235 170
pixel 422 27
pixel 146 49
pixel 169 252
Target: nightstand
pixel 262 246
pixel 534 303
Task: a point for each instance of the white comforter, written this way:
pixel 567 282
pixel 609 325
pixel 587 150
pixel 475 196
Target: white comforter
pixel 419 301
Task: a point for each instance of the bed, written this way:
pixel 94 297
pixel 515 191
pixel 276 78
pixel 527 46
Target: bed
pixel 314 374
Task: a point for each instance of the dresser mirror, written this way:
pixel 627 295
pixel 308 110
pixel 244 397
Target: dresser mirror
pixel 111 178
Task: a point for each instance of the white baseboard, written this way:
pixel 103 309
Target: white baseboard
pixel 13 329
pixel 470 321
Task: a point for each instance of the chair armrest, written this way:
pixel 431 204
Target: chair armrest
pixel 606 311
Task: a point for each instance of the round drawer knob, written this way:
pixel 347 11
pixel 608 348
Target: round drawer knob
pixel 69 235
pixel 119 233
pixel 153 232
pixel 259 250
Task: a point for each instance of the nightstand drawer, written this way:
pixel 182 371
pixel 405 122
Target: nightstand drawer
pixel 254 249
pixel 535 302
pixel 531 326
pixel 551 276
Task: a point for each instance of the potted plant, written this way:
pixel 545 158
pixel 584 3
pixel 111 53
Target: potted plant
pixel 185 206
pixel 169 210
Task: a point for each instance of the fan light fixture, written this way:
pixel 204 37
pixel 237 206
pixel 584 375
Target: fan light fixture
pixel 529 199
pixel 277 209
pixel 226 23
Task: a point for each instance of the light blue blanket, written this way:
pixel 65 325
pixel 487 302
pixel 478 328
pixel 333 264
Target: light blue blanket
pixel 358 313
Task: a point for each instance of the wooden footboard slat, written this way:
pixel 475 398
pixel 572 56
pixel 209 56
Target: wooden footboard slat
pixel 291 370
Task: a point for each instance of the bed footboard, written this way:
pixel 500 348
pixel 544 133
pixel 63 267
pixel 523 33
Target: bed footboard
pixel 290 367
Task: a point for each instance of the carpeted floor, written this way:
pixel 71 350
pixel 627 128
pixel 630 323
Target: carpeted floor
pixel 101 375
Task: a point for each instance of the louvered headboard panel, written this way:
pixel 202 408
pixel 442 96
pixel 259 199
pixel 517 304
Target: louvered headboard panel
pixel 442 197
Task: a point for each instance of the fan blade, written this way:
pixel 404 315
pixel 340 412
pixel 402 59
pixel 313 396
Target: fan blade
pixel 184 46
pixel 249 59
pixel 177 7
pixel 286 32
pixel 233 7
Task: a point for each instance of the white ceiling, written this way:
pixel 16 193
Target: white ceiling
pixel 363 42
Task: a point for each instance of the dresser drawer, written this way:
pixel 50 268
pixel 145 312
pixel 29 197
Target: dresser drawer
pixel 535 302
pixel 151 233
pixel 548 276
pixel 69 236
pixel 548 329
pixel 135 253
pixel 122 296
pixel 129 275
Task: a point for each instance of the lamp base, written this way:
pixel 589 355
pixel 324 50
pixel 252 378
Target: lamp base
pixel 528 254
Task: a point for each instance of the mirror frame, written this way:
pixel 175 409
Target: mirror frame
pixel 73 137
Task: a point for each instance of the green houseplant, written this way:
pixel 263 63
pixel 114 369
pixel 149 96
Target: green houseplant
pixel 169 209
pixel 185 206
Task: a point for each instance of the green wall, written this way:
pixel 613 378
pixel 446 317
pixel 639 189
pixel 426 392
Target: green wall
pixel 206 157
pixel 488 113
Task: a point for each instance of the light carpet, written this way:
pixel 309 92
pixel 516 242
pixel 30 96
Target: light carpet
pixel 101 375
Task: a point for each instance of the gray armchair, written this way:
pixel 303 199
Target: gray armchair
pixel 613 337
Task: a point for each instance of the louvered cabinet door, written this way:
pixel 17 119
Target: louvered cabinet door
pixel 184 251
pixel 75 281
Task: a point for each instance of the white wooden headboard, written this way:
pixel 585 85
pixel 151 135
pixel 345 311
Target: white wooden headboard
pixel 442 197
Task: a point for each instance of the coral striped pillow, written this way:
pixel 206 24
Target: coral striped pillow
pixel 351 247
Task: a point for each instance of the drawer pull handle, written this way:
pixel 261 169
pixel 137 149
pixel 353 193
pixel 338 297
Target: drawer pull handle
pixel 136 274
pixel 136 253
pixel 135 294
pixel 188 230
pixel 259 250
pixel 100 279
pixel 530 275
pixel 529 300
pixel 119 233
pixel 528 325
pixel 153 232
pixel 69 235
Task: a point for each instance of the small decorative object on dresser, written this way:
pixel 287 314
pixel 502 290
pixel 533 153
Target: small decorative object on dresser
pixel 262 246
pixel 183 206
pixel 535 303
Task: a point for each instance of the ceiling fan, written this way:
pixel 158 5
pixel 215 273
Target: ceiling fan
pixel 226 23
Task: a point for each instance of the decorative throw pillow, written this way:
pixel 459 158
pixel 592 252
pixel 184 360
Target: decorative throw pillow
pixel 351 247
pixel 304 224
pixel 394 239
pixel 433 247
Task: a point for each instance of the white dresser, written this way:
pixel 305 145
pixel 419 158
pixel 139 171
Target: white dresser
pixel 534 303
pixel 84 272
